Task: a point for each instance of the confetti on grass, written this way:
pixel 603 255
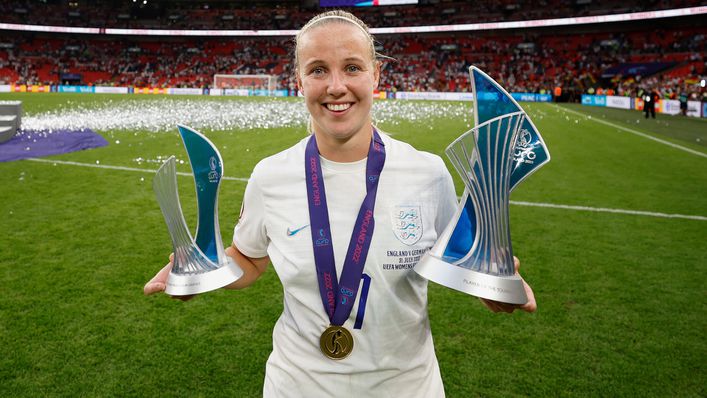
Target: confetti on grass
pixel 162 115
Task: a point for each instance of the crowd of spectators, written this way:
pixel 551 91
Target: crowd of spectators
pixel 522 63
pixel 259 15
pixel 539 62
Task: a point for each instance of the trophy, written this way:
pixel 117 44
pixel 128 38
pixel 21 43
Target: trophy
pixel 200 265
pixel 474 253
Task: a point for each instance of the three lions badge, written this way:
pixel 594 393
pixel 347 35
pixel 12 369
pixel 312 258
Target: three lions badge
pixel 407 224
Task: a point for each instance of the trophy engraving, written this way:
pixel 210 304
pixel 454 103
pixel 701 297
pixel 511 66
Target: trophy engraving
pixel 474 254
pixel 200 264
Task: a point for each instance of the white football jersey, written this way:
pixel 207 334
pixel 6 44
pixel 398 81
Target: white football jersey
pixel 393 354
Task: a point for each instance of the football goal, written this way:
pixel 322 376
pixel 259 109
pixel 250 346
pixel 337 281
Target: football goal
pixel 247 82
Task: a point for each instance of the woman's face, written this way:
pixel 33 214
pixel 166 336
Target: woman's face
pixel 337 76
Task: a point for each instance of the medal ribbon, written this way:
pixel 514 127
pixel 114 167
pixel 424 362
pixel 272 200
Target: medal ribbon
pixel 338 296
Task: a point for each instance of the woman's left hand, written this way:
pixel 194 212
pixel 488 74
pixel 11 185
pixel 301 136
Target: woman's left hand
pixel 530 306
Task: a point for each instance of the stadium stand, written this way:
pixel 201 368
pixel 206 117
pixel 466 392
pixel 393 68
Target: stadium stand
pixel 621 58
pixel 292 14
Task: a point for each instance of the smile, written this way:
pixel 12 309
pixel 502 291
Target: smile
pixel 338 107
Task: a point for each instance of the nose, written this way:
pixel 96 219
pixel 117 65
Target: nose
pixel 337 84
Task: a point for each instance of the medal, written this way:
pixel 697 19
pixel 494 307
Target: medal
pixel 338 295
pixel 336 342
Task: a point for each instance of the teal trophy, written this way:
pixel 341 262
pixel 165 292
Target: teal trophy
pixel 474 253
pixel 200 265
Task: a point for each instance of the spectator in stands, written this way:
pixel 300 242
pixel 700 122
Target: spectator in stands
pixel 337 69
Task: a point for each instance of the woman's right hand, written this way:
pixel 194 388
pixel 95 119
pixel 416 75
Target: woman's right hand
pixel 158 283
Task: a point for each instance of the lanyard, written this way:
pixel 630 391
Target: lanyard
pixel 338 296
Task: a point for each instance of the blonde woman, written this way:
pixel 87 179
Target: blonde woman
pixel 343 216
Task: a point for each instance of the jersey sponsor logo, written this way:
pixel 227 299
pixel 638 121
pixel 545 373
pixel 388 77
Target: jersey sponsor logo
pixel 407 224
pixel 293 232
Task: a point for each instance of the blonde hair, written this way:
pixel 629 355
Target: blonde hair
pixel 337 16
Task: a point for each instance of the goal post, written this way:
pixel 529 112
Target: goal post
pixel 245 82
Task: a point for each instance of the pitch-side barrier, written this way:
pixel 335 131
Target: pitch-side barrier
pixel 666 106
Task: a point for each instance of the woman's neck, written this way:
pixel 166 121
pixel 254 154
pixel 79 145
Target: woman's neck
pixel 346 150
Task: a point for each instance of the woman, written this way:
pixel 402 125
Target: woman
pixel 355 318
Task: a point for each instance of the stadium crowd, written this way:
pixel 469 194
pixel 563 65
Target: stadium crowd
pixel 671 60
pixel 575 63
pixel 293 14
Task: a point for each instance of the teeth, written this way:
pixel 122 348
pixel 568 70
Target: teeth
pixel 338 107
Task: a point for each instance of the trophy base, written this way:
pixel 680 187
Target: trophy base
pixel 506 289
pixel 183 284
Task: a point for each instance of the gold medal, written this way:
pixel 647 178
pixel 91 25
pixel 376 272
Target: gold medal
pixel 336 342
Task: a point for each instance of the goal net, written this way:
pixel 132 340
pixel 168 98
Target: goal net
pixel 245 82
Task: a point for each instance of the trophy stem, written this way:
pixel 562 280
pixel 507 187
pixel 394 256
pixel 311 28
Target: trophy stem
pixel 474 253
pixel 483 159
pixel 193 272
pixel 475 256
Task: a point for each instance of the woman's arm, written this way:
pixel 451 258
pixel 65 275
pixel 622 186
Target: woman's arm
pixel 252 269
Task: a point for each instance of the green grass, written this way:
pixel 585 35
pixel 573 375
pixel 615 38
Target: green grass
pixel 622 302
pixel 681 129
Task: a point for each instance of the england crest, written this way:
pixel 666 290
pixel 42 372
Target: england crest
pixel 407 224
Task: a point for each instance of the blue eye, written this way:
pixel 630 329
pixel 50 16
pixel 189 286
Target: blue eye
pixel 352 68
pixel 317 71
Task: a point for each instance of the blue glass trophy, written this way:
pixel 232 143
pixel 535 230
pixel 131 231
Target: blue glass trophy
pixel 200 265
pixel 474 253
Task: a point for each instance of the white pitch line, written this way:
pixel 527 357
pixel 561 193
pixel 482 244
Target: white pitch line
pixel 123 168
pixel 607 210
pixel 632 131
pixel 513 202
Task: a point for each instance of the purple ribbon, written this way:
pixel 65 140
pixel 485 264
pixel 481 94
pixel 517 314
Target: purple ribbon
pixel 338 296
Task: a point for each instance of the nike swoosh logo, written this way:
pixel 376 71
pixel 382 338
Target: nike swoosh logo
pixel 292 232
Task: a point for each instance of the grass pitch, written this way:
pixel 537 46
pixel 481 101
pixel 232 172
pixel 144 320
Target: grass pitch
pixel 621 295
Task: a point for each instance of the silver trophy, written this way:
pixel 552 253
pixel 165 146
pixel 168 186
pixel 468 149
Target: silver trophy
pixel 200 265
pixel 474 253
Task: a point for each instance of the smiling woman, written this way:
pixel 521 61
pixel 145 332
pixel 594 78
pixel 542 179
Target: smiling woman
pixel 355 317
pixel 337 72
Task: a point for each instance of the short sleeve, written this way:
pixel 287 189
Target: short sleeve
pixel 250 234
pixel 448 200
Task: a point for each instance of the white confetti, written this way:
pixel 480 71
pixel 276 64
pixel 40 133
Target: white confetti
pixel 162 115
